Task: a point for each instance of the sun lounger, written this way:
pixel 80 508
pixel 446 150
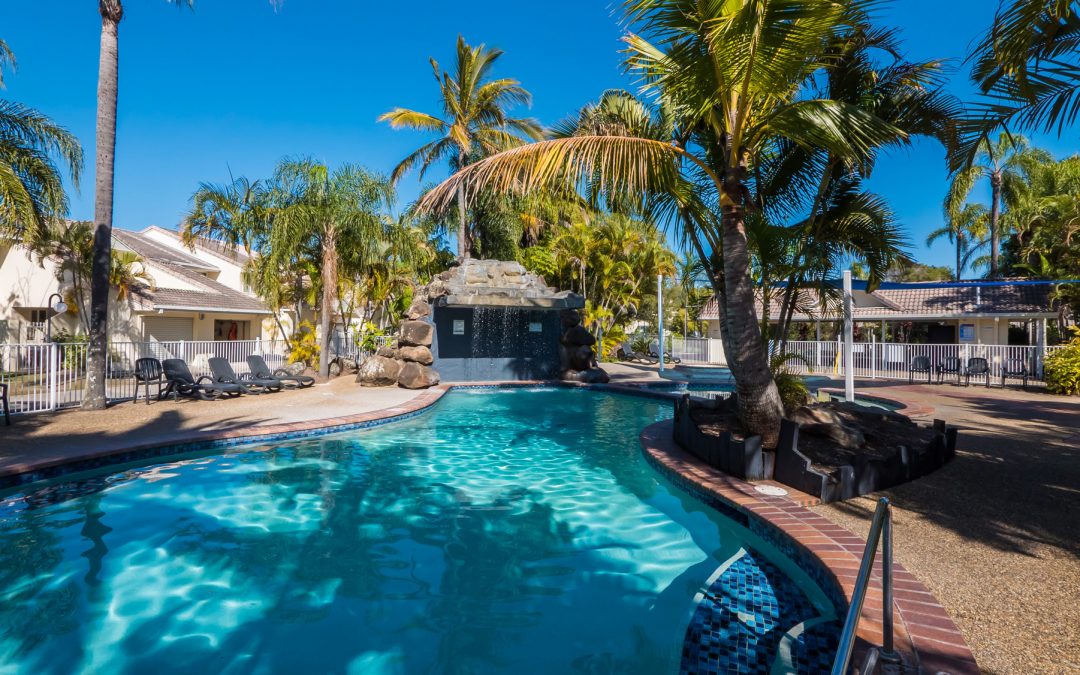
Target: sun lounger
pixel 182 383
pixel 259 369
pixel 628 353
pixel 223 373
pixel 654 352
pixel 4 403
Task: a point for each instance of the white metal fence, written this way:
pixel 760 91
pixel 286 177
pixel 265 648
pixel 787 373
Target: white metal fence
pixel 884 360
pixel 50 376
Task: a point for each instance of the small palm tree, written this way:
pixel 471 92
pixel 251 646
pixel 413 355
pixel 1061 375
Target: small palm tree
pixel 474 121
pixel 1001 162
pixel 31 145
pixel 966 229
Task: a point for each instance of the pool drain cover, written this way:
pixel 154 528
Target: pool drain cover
pixel 771 490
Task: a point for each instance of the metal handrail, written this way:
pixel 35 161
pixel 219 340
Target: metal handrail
pixel 880 529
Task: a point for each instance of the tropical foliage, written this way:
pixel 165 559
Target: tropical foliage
pixel 474 123
pixel 35 152
pixel 1027 71
pixel 612 260
pixel 318 237
pixel 71 247
pixel 1062 368
pixel 737 83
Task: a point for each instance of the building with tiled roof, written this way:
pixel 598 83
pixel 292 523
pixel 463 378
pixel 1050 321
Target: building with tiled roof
pixel 979 312
pixel 197 293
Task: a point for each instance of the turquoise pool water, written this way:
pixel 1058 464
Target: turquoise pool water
pixel 511 531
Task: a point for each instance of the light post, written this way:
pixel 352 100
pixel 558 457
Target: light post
pixel 59 307
pixel 660 317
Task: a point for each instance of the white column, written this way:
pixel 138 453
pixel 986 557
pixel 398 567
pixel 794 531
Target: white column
pixel 660 317
pixel 1040 346
pixel 849 370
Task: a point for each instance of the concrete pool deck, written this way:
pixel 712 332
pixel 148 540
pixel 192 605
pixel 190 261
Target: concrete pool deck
pixel 992 535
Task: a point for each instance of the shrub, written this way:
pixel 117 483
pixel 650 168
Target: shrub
pixel 793 390
pixel 1062 368
pixel 305 346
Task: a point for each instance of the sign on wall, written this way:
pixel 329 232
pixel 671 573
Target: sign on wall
pixel 459 326
pixel 967 332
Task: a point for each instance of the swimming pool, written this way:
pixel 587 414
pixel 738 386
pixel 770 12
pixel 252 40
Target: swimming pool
pixel 502 531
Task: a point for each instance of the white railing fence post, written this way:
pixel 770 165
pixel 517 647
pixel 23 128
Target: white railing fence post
pixel 53 372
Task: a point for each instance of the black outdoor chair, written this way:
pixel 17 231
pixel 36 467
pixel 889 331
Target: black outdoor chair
pixel 950 365
pixel 4 403
pixel 920 364
pixel 181 382
pixel 223 373
pixel 1014 368
pixel 147 372
pixel 977 367
pixel 258 367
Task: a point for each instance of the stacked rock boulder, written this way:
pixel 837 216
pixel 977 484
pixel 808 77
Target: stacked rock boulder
pixel 409 364
pixel 576 353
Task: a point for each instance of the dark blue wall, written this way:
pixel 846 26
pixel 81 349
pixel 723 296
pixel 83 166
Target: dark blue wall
pixel 496 345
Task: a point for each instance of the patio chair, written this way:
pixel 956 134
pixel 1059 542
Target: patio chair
pixel 259 369
pixel 4 403
pixel 147 372
pixel 977 367
pixel 920 364
pixel 223 373
pixel 1014 368
pixel 182 383
pixel 950 365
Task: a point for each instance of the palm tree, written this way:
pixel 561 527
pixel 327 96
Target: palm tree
pixel 31 145
pixel 733 74
pixel 301 225
pixel 1026 70
pixel 965 228
pixel 112 12
pixel 1002 162
pixel 474 122
pixel 71 246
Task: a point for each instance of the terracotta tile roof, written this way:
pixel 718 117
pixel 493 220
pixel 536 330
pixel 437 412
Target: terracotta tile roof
pixel 148 249
pixel 900 301
pixel 206 296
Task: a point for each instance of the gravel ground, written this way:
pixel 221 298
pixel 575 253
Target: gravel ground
pixel 996 534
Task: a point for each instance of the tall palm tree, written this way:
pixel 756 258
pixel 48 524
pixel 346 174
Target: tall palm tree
pixel 475 121
pixel 31 146
pixel 965 229
pixel 733 73
pixel 1001 162
pixel 112 12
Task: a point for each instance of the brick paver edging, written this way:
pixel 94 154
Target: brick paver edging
pixel 925 633
pixel 33 469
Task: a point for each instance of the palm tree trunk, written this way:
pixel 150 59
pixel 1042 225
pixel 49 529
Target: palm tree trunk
pixel 959 254
pixel 759 405
pixel 108 79
pixel 995 217
pixel 462 242
pixel 329 282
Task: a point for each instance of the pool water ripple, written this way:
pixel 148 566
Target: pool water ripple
pixel 505 531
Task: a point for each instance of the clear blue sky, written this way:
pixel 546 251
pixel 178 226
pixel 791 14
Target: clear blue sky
pixel 235 86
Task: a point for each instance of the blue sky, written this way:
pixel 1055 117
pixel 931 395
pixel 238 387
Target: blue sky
pixel 234 86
